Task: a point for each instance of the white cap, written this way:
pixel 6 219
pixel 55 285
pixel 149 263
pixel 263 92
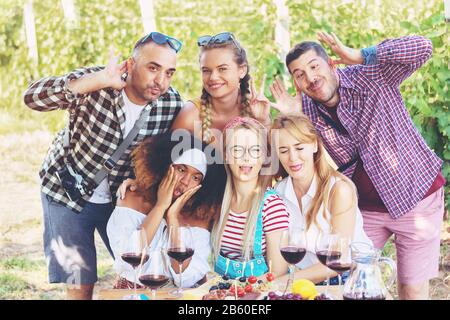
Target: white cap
pixel 194 158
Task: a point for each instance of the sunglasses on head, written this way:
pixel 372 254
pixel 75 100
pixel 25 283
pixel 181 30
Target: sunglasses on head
pixel 161 38
pixel 217 39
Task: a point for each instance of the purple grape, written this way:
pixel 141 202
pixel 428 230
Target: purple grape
pixel 289 296
pixel 272 294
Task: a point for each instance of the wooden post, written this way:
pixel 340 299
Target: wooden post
pixel 69 10
pixel 30 31
pixel 282 37
pixel 148 15
pixel 447 10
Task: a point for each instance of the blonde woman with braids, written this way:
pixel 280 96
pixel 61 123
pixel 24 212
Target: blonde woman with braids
pixel 317 196
pixel 247 236
pixel 228 90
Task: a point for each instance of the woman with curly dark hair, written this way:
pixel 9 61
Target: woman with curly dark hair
pixel 177 183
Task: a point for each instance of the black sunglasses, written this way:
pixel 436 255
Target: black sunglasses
pixel 161 38
pixel 217 39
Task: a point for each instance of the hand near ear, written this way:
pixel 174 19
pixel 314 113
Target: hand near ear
pixel 114 71
pixel 346 55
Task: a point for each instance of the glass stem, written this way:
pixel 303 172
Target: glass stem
pixel 135 284
pixel 153 294
pixel 340 283
pixel 181 278
pixel 290 279
pixel 328 282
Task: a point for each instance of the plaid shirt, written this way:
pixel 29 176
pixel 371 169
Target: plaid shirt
pixel 97 121
pixel 395 156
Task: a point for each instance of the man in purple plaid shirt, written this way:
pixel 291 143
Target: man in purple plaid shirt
pixel 362 119
pixel 104 104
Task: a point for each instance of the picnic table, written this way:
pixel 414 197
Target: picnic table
pixel 197 293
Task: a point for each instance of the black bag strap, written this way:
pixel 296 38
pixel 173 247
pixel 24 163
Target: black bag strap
pixel 335 126
pixel 109 164
pixel 347 165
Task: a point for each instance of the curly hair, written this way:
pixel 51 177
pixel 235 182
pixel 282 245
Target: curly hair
pixel 240 57
pixel 151 160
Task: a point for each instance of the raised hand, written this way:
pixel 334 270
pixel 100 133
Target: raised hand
pixel 179 203
pixel 114 71
pixel 284 102
pixel 346 55
pixel 165 189
pixel 127 184
pixel 259 104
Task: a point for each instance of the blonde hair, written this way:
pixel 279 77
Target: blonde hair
pixel 264 181
pixel 301 128
pixel 240 57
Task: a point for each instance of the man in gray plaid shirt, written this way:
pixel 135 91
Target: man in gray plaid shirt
pixel 104 103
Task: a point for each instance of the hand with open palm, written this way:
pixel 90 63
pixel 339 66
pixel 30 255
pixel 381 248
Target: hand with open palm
pixel 346 55
pixel 284 102
pixel 114 70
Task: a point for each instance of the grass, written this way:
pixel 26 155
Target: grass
pixel 18 263
pixel 28 120
pixel 12 286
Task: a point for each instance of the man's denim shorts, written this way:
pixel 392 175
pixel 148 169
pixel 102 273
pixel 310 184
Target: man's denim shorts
pixel 69 240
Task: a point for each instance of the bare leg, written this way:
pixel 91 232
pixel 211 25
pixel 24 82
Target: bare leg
pixel 414 292
pixel 80 292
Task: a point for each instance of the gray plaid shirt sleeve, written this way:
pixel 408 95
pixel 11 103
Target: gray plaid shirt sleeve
pixel 52 93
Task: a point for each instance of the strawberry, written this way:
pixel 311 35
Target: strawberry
pixel 252 279
pixel 270 277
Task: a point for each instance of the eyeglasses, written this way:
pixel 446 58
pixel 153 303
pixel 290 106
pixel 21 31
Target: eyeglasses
pixel 217 39
pixel 161 38
pixel 238 152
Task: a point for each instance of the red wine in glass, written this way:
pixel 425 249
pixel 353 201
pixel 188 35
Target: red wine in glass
pixel 293 255
pixel 180 254
pixel 324 255
pixel 338 267
pixel 134 259
pixel 153 281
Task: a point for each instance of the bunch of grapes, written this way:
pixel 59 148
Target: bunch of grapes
pixel 322 296
pixel 288 296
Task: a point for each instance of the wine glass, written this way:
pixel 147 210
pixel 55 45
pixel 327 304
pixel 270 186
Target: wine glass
pixel 133 250
pixel 155 272
pixel 180 248
pixel 339 257
pixel 293 249
pixel 322 244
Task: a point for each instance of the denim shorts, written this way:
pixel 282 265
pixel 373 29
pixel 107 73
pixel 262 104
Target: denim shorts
pixel 69 243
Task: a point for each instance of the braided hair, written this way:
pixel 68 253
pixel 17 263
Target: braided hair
pixel 240 57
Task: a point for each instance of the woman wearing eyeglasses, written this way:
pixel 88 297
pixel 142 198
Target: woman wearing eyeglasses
pixel 246 238
pixel 318 197
pixel 227 90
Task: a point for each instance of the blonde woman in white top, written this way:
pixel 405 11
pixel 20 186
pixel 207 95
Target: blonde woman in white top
pixel 318 197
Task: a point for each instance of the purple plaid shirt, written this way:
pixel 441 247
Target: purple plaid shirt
pixel 395 156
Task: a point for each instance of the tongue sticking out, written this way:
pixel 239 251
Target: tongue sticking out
pixel 245 169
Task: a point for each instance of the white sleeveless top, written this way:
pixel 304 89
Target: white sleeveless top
pixel 124 223
pixel 298 218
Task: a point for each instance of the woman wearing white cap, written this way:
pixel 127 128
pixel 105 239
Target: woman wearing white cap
pixel 171 188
